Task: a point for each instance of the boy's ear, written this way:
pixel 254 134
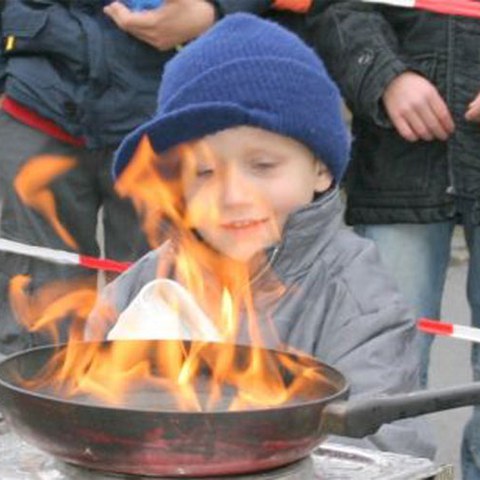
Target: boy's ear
pixel 324 178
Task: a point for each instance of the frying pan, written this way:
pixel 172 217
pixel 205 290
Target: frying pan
pixel 141 438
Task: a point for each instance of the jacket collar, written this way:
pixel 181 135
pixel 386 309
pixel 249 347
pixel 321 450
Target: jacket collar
pixel 306 234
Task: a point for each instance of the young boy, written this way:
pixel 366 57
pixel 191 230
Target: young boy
pixel 249 130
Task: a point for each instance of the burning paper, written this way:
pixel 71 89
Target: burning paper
pixel 168 300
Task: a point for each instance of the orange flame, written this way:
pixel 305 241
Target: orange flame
pixel 155 199
pixel 32 185
pixel 43 309
pixel 173 374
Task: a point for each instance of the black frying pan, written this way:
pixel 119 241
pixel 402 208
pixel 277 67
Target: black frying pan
pixel 143 438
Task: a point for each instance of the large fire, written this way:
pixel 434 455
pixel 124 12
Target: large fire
pixel 193 375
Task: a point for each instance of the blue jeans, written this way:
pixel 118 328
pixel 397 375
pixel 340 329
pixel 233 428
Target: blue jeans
pixel 418 256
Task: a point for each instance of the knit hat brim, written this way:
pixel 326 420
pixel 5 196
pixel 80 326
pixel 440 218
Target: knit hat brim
pixel 172 129
pixel 246 71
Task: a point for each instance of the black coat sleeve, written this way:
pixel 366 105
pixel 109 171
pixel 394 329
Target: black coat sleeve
pixel 360 50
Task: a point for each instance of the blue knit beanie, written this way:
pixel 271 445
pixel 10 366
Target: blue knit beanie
pixel 246 71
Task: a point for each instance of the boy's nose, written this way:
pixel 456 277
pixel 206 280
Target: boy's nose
pixel 235 189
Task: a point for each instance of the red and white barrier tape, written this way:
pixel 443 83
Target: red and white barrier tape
pixel 466 8
pixel 62 257
pixel 436 327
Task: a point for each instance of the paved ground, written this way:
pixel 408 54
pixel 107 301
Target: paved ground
pixel 450 358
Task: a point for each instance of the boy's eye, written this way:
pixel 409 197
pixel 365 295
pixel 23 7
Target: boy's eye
pixel 204 172
pixel 263 165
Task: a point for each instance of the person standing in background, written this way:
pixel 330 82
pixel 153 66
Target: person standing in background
pixel 412 80
pixel 77 77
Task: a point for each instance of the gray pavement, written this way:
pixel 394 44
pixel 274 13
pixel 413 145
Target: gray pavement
pixel 450 360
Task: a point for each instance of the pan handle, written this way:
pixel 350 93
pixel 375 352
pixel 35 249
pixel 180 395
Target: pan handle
pixel 364 416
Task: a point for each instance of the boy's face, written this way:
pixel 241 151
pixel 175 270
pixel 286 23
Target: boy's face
pixel 241 184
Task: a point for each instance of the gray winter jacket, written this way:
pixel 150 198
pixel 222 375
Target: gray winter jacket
pixel 339 305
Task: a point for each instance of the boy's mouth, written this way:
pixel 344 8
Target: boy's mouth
pixel 242 225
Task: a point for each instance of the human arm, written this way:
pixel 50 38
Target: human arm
pixel 417 110
pixel 361 36
pixel 173 23
pixel 378 78
pixel 178 21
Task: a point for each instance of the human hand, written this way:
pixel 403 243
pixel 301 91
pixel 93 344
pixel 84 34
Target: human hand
pixel 173 23
pixel 416 109
pixel 473 110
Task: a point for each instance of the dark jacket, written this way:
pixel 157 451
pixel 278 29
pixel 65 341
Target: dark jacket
pixel 68 62
pixel 364 46
pixel 338 304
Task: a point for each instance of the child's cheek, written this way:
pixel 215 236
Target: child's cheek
pixel 202 208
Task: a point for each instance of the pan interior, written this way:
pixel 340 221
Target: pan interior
pixel 17 372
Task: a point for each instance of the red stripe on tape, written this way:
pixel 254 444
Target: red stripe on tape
pixel 434 326
pixel 103 264
pixel 467 8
